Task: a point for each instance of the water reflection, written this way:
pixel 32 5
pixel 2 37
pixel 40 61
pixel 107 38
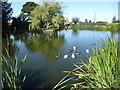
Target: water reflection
pixel 48 45
pixel 75 32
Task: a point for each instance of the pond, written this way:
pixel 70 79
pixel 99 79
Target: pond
pixel 41 67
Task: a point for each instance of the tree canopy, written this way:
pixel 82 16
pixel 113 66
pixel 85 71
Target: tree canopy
pixel 47 15
pixel 86 21
pixel 58 21
pixel 26 10
pixel 75 20
pixel 6 14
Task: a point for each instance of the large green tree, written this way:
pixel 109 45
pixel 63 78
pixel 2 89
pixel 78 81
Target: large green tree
pixel 26 10
pixel 58 21
pixel 42 15
pixel 75 20
pixel 6 14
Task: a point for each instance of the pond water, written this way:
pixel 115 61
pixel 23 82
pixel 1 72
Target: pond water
pixel 41 66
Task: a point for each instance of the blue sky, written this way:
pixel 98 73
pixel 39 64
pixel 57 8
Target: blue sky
pixel 105 11
pixel 86 10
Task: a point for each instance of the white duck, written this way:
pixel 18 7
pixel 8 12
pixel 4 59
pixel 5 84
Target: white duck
pixel 74 48
pixel 73 55
pixel 87 51
pixel 65 56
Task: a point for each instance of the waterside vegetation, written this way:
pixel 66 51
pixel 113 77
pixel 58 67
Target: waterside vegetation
pixel 96 26
pixel 11 74
pixel 102 70
pixel 12 68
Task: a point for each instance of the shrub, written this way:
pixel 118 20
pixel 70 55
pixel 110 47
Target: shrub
pixel 112 24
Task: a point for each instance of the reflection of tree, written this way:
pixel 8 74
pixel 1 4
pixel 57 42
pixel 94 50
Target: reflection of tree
pixel 75 32
pixel 48 45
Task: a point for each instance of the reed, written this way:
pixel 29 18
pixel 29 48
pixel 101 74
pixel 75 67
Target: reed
pixel 102 70
pixel 11 69
pixel 11 74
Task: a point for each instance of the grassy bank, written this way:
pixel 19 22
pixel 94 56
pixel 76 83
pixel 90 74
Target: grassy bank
pixel 102 70
pixel 96 26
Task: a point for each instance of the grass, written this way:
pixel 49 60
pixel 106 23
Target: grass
pixel 102 70
pixel 95 26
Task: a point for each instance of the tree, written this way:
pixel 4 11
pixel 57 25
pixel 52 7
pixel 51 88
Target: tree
pixel 118 21
pixel 17 23
pixel 86 21
pixel 89 21
pixel 58 21
pixel 75 20
pixel 6 14
pixel 43 16
pixel 114 19
pixel 26 10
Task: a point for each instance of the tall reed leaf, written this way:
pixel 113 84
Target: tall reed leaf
pixel 11 71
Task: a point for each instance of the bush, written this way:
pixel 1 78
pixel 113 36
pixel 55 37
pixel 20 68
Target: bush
pixel 112 24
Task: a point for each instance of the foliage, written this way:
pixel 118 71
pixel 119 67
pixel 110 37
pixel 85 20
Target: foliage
pixel 86 21
pixel 112 24
pixel 75 20
pixel 26 10
pixel 117 21
pixel 17 23
pixel 90 21
pixel 102 70
pixel 58 21
pixel 96 26
pixel 42 15
pixel 6 14
pixel 36 18
pixel 11 71
pixel 114 19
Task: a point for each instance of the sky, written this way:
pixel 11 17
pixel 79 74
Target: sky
pixel 104 11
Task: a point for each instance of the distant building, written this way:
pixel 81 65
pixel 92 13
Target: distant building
pixel 101 22
pixel 80 22
pixel 67 22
